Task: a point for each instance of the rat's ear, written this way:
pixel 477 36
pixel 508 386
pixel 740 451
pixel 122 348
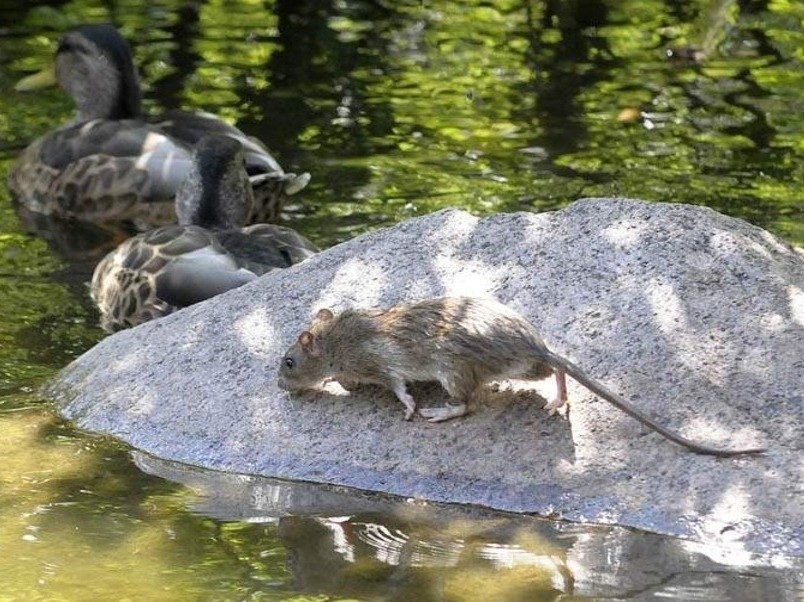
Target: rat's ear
pixel 323 315
pixel 309 344
pixel 306 340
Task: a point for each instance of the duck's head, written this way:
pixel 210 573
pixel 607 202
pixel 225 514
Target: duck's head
pixel 94 65
pixel 216 193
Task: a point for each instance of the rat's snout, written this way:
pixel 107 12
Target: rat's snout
pixel 283 383
pixel 288 384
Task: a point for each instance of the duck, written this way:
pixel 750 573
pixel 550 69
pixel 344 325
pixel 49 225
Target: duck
pixel 112 163
pixel 208 252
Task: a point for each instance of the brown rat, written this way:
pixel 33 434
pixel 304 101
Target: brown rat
pixel 463 343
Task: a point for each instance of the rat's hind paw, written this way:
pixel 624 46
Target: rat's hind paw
pixel 443 413
pixel 553 406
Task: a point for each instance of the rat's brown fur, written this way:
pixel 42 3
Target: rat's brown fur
pixel 463 343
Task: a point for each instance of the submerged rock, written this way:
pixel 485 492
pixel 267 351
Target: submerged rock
pixel 694 317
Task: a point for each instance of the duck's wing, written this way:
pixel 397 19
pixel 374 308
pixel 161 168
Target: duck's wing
pixel 267 246
pixel 190 127
pixel 299 247
pixel 163 270
pixel 150 155
pixel 102 170
pixel 197 266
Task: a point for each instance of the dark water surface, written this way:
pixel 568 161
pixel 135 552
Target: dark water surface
pixel 397 108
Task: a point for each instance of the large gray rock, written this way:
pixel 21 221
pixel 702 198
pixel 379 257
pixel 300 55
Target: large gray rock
pixel 696 318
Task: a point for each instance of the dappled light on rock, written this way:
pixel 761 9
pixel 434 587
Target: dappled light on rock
pixel 686 345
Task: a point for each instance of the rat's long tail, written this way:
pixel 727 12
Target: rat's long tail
pixel 596 387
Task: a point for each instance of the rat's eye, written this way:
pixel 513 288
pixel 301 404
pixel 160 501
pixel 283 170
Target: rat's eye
pixel 289 362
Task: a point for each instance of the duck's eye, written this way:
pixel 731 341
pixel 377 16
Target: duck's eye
pixel 289 362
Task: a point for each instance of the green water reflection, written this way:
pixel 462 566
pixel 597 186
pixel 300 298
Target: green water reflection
pixel 397 109
pixel 80 523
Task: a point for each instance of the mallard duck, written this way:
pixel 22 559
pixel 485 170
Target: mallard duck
pixel 207 253
pixel 111 163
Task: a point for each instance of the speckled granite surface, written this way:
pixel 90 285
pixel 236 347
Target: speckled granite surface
pixel 696 318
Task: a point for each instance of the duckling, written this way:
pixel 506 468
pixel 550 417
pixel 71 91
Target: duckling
pixel 111 163
pixel 207 253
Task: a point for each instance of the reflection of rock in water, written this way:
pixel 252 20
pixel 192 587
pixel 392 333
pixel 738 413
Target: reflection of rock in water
pixel 316 565
pixel 348 542
pixel 398 544
pixel 355 555
pixel 229 496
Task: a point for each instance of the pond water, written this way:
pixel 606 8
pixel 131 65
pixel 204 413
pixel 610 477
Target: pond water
pixel 397 108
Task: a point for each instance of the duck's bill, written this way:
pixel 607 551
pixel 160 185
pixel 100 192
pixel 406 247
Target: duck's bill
pixel 45 78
